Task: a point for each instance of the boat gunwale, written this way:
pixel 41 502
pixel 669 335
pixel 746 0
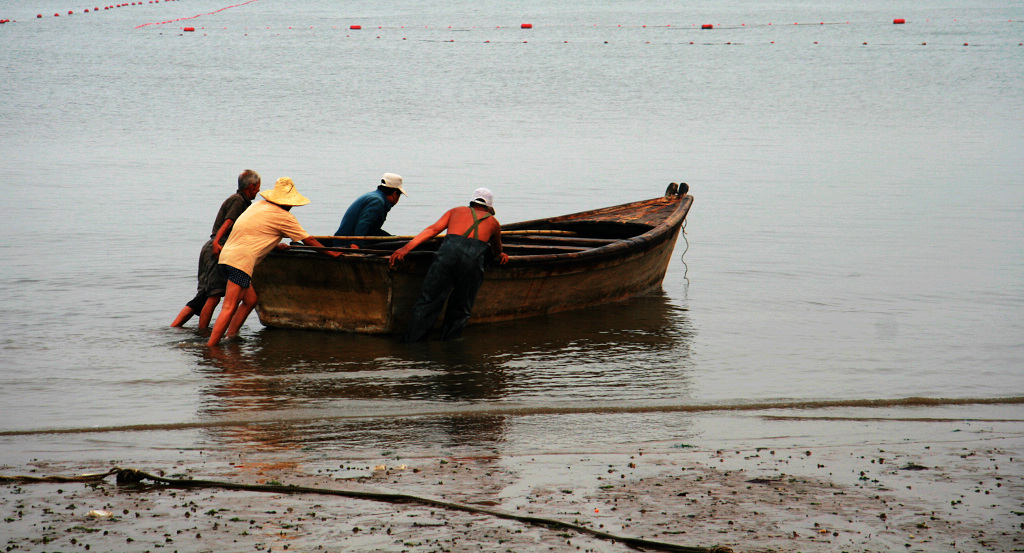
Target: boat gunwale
pixel 627 244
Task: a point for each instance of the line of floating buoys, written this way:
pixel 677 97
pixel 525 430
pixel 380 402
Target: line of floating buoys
pixel 728 43
pixel 640 26
pixel 96 8
pixel 896 21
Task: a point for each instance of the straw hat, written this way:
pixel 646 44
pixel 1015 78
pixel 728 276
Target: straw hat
pixel 392 180
pixel 284 193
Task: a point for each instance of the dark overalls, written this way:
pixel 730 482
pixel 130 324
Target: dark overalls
pixel 456 275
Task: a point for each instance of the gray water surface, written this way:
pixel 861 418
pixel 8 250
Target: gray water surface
pixel 856 233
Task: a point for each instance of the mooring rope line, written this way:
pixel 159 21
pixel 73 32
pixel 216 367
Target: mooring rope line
pixel 194 16
pixel 125 477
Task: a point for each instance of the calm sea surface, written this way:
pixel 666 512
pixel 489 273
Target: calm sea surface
pixel 857 232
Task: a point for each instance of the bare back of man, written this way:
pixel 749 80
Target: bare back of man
pixel 457 221
pixel 460 220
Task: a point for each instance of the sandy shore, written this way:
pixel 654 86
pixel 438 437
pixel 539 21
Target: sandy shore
pixel 965 493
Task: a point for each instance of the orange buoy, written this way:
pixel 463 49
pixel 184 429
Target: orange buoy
pixel 707 26
pixel 39 16
pixel 898 21
pixel 526 26
pixel 189 29
pixel 355 27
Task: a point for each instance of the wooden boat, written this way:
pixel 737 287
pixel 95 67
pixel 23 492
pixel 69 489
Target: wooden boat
pixel 555 264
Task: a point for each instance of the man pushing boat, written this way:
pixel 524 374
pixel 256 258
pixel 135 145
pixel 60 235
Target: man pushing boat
pixel 257 232
pixel 457 271
pixel 366 215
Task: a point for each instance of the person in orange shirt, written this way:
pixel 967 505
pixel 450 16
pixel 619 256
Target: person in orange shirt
pixel 457 271
pixel 255 234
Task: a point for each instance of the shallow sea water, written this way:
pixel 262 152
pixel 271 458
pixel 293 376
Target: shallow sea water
pixel 856 233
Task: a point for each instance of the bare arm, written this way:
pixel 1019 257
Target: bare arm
pixel 310 241
pixel 495 242
pixel 221 232
pixel 424 235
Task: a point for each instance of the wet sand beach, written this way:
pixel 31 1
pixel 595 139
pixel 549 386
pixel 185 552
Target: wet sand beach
pixel 956 487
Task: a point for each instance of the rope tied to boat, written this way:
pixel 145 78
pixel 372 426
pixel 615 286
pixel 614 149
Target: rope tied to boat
pixel 130 477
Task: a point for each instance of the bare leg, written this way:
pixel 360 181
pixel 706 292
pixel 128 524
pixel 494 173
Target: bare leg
pixel 207 314
pixel 183 316
pixel 246 307
pixel 232 296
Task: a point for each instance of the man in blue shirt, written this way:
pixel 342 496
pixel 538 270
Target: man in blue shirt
pixel 366 215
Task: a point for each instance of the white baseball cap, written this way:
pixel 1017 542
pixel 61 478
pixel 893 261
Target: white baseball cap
pixel 482 196
pixel 392 180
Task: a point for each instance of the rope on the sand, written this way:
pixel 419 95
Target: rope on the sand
pixel 57 479
pixel 133 476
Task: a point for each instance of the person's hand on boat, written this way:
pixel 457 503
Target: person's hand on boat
pixel 310 241
pixel 397 256
pixel 502 258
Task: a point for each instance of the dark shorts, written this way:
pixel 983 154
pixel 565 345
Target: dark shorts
pixel 235 275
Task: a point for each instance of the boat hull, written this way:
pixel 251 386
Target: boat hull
pixel 362 294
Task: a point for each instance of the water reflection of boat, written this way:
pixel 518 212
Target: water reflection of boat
pixel 286 388
pixel 556 264
pixel 322 366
